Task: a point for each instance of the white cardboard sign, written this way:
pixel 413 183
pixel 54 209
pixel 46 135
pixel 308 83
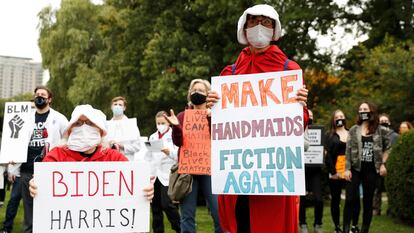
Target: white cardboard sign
pixel 91 197
pixel 257 135
pixel 17 128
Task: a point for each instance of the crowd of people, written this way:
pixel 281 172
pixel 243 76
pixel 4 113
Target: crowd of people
pixel 363 150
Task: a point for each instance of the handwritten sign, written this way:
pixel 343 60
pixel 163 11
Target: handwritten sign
pixel 195 151
pixel 257 135
pixel 91 197
pixel 17 128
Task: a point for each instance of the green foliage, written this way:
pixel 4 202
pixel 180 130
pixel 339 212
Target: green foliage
pixel 400 178
pixel 149 51
pixel 385 77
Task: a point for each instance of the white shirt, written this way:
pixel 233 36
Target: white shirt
pixel 130 146
pixel 160 162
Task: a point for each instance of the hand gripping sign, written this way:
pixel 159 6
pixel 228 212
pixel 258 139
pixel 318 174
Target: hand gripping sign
pixel 91 197
pixel 257 135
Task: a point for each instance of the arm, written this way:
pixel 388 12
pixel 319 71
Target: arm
pixel 348 174
pixel 177 132
pixel 329 145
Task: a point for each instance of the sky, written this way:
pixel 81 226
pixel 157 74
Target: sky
pixel 19 32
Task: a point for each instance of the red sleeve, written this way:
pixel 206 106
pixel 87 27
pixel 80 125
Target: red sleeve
pixel 292 65
pixel 177 132
pixel 52 156
pixel 226 71
pixel 114 155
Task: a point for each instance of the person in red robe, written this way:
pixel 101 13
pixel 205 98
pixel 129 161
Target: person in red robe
pixel 257 27
pixel 84 138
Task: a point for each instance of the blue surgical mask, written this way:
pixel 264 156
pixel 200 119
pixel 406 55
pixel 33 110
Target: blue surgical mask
pixel 117 110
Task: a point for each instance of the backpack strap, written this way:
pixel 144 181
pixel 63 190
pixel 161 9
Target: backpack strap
pixel 233 69
pixel 285 66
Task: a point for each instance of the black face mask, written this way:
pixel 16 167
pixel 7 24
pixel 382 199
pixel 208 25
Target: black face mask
pixel 364 116
pixel 310 121
pixel 40 102
pixel 385 124
pixel 340 122
pixel 197 98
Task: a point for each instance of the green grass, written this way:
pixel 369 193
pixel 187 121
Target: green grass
pixel 380 224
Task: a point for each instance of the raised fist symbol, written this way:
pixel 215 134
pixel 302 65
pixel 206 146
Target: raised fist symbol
pixel 16 124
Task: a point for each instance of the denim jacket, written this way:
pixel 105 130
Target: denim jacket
pixel 382 143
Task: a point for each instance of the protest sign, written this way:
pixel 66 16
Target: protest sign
pixel 195 151
pixel 18 125
pixel 123 130
pixel 91 197
pixel 314 155
pixel 257 135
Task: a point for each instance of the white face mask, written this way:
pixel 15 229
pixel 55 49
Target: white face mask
pixel 259 36
pixel 84 138
pixel 162 128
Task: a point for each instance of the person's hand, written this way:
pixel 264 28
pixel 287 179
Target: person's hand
pixel 166 151
pixel 149 191
pixel 302 96
pixel 212 98
pixel 348 175
pixel 383 170
pixel 32 188
pixel 334 177
pixel 11 178
pixel 172 119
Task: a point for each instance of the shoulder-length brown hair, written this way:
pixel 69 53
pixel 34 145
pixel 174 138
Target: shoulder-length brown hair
pixel 373 121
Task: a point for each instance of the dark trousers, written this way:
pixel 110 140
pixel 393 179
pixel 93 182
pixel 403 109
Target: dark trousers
pixel 161 202
pixel 314 187
pixel 368 179
pixel 336 187
pixel 27 202
pixel 13 205
pixel 378 194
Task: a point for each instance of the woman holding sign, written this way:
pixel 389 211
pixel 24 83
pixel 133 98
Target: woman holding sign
pixel 191 132
pixel 257 27
pixel 366 154
pixel 84 136
pixel 335 162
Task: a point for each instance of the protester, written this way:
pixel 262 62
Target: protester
pixel 385 121
pixel 313 175
pixel 161 163
pixel 257 27
pixel 405 126
pixel 196 97
pixel 116 130
pixel 366 155
pixel 84 137
pixel 335 146
pixel 49 126
pixel 13 173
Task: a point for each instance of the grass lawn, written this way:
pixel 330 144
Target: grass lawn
pixel 380 224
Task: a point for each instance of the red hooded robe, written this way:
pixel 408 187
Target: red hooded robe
pixel 270 214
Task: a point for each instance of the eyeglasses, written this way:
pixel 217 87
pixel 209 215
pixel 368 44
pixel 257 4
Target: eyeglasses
pixel 79 123
pixel 253 20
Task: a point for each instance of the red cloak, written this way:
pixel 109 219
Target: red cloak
pixel 270 214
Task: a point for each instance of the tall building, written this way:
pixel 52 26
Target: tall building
pixel 19 75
